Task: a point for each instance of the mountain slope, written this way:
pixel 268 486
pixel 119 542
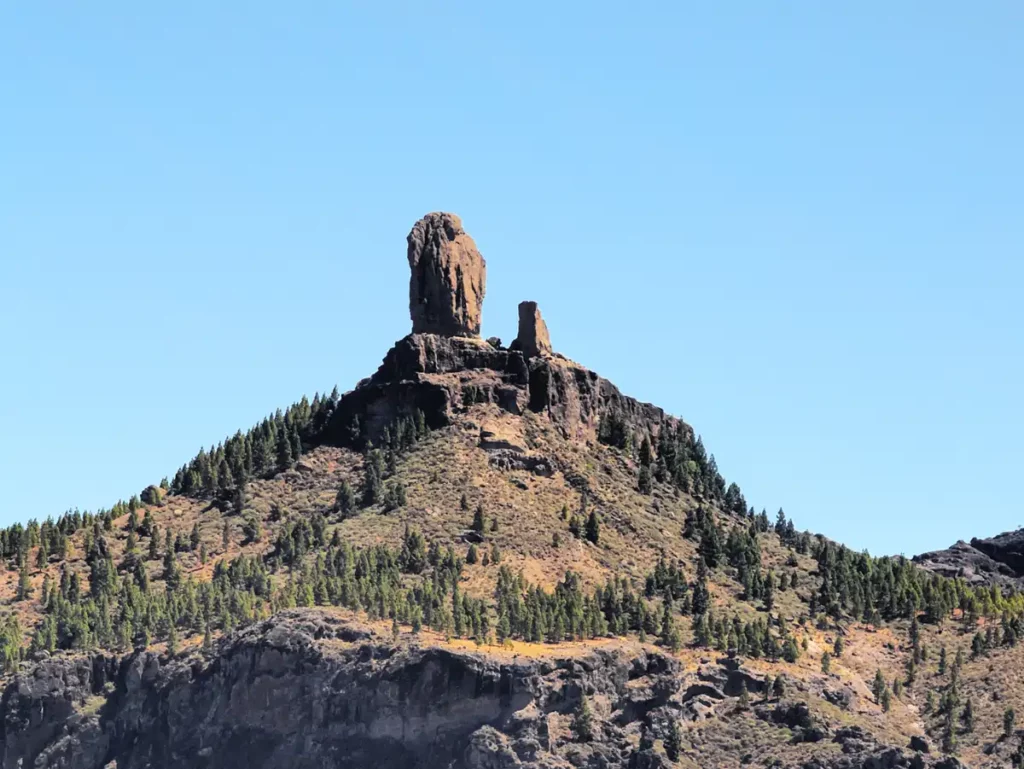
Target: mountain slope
pixel 485 557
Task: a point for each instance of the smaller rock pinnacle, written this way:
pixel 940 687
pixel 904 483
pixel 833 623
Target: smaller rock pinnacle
pixel 533 337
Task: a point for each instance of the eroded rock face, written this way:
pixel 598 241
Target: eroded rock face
pixel 449 276
pixel 306 689
pixel 445 376
pixel 995 561
pixel 533 339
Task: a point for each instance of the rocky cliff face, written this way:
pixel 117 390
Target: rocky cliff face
pixel 442 376
pixel 306 689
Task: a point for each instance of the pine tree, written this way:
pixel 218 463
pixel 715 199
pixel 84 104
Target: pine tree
pixel 593 527
pixel 670 638
pixel 673 741
pixel 701 600
pixel 790 650
pixel 41 556
pixel 968 716
pixel 238 501
pixel 826 663
pixel 744 702
pixel 394 496
pixel 886 700
pixel 284 449
pixel 479 524
pixel 977 646
pixel 24 583
pixel 646 452
pixel 373 483
pixel 1009 717
pixel 251 529
pixel 838 647
pixel 949 733
pixel 768 596
pixel 878 686
pixel 345 501
pixel 644 482
pixel 583 721
pixel 141 577
pixel 172 570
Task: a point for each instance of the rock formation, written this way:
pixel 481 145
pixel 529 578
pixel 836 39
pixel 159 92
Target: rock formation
pixel 533 337
pixel 306 689
pixel 448 281
pixel 444 376
pixel 997 560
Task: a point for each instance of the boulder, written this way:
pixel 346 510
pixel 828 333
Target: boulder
pixel 448 281
pixel 533 338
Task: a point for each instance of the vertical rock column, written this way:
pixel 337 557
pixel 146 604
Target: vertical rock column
pixel 449 277
pixel 533 338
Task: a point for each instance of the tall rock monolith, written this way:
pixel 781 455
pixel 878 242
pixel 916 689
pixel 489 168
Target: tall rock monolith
pixel 449 277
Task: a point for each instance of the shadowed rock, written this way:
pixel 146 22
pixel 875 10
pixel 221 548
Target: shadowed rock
pixel 995 561
pixel 307 689
pixel 448 281
pixel 533 337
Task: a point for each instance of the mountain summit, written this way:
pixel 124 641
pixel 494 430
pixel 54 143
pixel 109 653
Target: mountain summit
pixel 484 557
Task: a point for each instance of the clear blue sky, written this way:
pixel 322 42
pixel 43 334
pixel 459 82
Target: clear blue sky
pixel 799 225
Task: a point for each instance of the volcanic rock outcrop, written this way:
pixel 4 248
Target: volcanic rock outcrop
pixel 444 367
pixel 996 560
pixel 306 689
pixel 533 338
pixel 449 277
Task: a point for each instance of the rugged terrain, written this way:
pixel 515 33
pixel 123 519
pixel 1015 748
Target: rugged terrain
pixel 995 560
pixel 488 556
pixel 308 688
